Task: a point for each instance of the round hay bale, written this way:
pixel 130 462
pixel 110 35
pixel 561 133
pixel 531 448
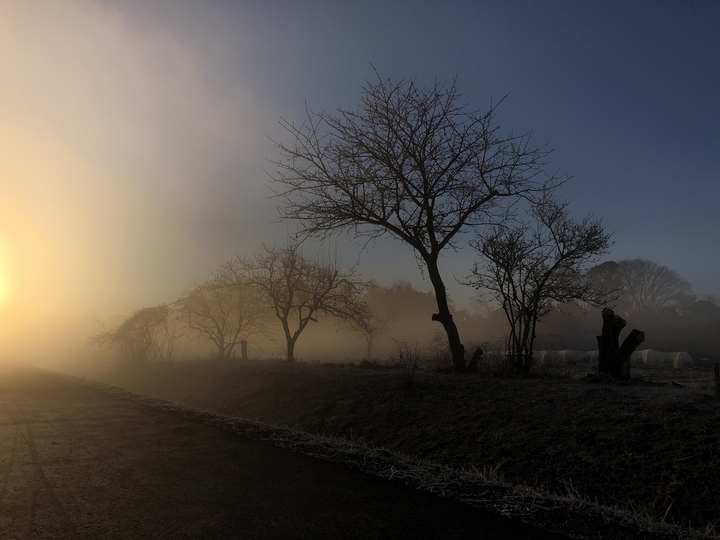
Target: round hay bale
pixel 552 357
pixel 639 358
pixel 682 360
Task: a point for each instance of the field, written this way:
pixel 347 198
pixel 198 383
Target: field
pixel 650 448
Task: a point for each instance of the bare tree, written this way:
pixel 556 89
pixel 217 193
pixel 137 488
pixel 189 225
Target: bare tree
pixel 646 285
pixel 299 289
pixel 369 324
pixel 225 313
pixel 141 337
pixel 413 164
pixel 167 335
pixel 531 268
pixel 651 286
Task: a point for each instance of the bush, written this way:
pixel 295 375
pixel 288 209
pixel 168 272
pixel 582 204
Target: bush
pixel 440 357
pixel 407 358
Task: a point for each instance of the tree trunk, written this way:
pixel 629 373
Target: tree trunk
pixel 289 340
pixel 291 349
pixel 631 342
pixel 444 317
pixel 613 358
pixel 530 336
pixel 243 349
pixel 369 349
pixel 527 362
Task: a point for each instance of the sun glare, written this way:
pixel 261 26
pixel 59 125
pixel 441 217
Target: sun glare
pixel 5 281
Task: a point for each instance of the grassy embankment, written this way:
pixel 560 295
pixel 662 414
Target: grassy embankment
pixel 651 449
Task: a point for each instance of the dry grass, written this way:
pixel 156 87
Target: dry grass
pixel 650 452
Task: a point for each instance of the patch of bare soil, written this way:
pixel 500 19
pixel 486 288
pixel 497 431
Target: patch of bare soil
pixel 652 449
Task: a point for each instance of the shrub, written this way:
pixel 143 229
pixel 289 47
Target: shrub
pixel 407 358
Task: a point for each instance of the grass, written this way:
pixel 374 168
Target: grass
pixel 650 452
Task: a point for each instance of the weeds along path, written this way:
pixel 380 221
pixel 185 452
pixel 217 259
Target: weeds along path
pixel 77 462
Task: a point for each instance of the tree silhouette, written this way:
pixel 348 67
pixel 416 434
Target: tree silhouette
pixel 298 288
pixel 223 313
pixel 413 164
pixel 146 335
pixel 532 268
pixel 646 285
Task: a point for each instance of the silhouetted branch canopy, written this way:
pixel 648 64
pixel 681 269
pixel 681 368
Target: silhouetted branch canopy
pixel 224 311
pixel 412 163
pixel 532 267
pixel 298 288
pixel 137 337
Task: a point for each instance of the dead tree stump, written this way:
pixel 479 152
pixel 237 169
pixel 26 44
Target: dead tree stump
pixel 614 358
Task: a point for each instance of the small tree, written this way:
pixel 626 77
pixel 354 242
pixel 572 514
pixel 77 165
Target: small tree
pixel 369 324
pixel 531 268
pixel 225 313
pixel 413 164
pixel 167 335
pixel 299 289
pixel 440 357
pixel 143 336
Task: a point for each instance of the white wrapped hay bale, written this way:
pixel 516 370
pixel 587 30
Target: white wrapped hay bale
pixel 653 358
pixel 549 357
pixel 682 360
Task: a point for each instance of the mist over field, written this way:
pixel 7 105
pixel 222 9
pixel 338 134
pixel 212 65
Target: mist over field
pixel 465 248
pixel 137 157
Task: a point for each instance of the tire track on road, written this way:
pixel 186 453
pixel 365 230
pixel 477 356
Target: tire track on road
pixel 7 469
pixel 43 496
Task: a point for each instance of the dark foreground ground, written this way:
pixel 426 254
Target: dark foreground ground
pixel 650 450
pixel 76 462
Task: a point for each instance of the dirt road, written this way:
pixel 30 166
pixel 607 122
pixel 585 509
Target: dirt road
pixel 76 462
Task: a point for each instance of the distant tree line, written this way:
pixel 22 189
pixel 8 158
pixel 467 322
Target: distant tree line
pixel 240 300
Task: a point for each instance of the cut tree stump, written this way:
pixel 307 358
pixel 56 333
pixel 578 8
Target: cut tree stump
pixel 613 358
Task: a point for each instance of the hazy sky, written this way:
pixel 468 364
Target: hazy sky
pixel 134 134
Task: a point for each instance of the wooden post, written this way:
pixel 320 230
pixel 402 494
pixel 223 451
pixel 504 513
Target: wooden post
pixel 717 379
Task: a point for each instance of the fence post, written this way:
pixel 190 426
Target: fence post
pixel 717 380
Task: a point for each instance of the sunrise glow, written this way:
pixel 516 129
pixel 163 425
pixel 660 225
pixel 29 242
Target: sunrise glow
pixel 5 280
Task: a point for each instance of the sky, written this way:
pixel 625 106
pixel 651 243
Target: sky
pixel 136 137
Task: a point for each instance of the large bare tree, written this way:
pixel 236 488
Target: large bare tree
pixel 651 286
pixel 225 314
pixel 299 289
pixel 531 268
pixel 646 285
pixel 410 163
